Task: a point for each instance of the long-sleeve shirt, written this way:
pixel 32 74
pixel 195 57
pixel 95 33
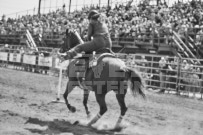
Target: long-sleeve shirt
pixel 97 29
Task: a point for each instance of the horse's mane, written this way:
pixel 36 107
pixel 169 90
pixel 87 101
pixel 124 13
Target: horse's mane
pixel 72 39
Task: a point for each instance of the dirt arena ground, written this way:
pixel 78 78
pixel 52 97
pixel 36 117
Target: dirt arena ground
pixel 26 109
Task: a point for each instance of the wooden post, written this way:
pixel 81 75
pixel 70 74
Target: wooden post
pixel 59 88
pixel 201 92
pixel 59 84
pixel 69 6
pixel 151 65
pixel 178 76
pixel 99 4
pixel 39 7
pixel 108 7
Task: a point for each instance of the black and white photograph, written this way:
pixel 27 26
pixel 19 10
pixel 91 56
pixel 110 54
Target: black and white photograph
pixel 101 67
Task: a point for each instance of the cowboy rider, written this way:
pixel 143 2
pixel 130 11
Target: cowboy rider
pixel 99 31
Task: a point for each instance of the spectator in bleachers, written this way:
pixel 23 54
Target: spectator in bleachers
pixel 163 65
pixel 22 51
pixel 2 30
pixel 187 75
pixel 172 74
pixel 5 48
pixel 143 63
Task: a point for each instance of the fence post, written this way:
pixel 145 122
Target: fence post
pixel 58 100
pixel 178 76
pixel 201 91
pixel 151 66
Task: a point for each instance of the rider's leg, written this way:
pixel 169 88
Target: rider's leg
pixel 94 45
pixel 86 47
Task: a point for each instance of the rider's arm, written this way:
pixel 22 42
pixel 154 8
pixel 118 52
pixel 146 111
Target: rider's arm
pixel 90 31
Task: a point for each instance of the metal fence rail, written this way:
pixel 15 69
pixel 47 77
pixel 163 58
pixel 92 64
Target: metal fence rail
pixel 185 77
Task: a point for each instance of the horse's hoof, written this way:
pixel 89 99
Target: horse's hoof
pixel 88 125
pixel 80 122
pixel 118 128
pixel 89 115
pixel 76 122
pixel 72 109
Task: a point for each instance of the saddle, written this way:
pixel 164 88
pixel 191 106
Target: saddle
pixel 94 58
pixel 91 61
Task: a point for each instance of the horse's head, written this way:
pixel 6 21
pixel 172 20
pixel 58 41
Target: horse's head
pixel 71 40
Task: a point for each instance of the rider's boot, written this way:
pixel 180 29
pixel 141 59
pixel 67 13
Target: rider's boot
pixel 71 53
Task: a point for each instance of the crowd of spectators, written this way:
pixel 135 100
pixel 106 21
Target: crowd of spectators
pixel 124 20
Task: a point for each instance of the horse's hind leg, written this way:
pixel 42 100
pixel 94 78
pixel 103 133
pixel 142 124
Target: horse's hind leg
pixel 103 108
pixel 86 95
pixel 121 101
pixel 69 88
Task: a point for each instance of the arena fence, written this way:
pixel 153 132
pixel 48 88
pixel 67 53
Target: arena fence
pixel 183 76
pixel 19 58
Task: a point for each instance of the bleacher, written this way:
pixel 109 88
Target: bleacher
pixel 153 39
pixel 10 39
pixel 156 45
pixel 54 41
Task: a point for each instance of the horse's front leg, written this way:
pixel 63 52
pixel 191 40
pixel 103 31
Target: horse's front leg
pixel 69 88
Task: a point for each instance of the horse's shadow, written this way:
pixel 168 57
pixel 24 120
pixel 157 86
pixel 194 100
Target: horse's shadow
pixel 61 126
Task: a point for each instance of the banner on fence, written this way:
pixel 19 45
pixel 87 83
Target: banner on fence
pixel 45 61
pixel 3 56
pixel 29 59
pixel 15 57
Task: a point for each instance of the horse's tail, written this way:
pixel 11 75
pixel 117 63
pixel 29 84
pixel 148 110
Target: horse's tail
pixel 136 82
